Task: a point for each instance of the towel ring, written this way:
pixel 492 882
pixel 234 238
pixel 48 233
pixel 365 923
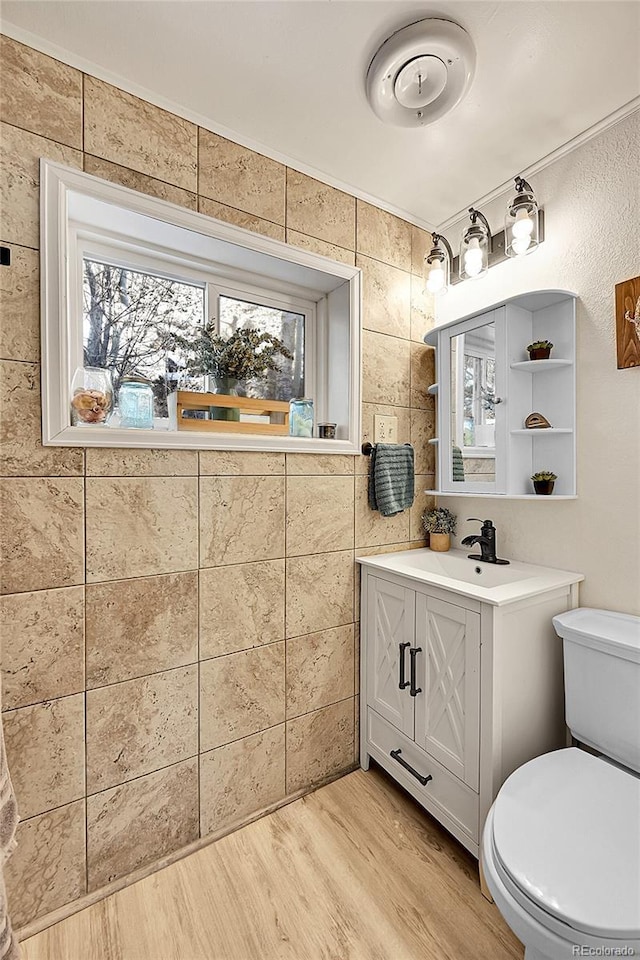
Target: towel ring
pixel 367 448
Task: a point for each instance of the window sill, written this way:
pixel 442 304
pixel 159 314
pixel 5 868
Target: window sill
pixel 193 440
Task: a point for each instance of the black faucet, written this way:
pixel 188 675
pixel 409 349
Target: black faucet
pixel 487 541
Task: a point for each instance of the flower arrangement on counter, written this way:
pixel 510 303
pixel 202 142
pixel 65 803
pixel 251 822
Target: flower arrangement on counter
pixel 439 520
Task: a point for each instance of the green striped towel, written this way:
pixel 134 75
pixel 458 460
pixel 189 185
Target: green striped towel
pixel 391 478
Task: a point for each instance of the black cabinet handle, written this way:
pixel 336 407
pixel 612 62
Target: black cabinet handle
pixel 396 754
pixel 402 683
pixel 414 691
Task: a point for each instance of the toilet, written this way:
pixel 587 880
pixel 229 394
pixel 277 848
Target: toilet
pixel 561 844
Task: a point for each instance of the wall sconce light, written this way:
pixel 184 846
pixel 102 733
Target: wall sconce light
pixel 521 225
pixel 475 247
pixel 437 266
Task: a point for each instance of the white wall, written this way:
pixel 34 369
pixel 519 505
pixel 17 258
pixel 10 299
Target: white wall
pixel 591 200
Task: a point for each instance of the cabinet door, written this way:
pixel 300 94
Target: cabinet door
pixel 447 722
pixel 390 634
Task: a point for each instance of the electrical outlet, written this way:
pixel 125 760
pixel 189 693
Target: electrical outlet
pixel 385 429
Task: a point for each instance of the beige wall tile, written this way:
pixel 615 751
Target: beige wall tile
pixel 422 309
pixel 318 210
pixel 423 429
pixel 423 374
pixel 241 178
pixel 241 694
pixel 421 244
pixel 318 464
pixel 21 450
pixel 45 752
pixel 211 208
pixel 377 551
pixel 231 463
pixel 40 94
pixel 140 725
pixel 386 298
pixel 20 306
pixel 319 670
pixel 319 514
pixel 319 592
pixel 42 645
pixel 137 627
pixel 139 181
pixel 421 503
pixel 369 412
pixel 241 606
pixel 321 247
pixel 382 236
pixel 136 134
pixel 240 778
pixel 140 822
pixel 371 527
pixel 20 154
pixel 41 535
pixel 47 869
pixel 141 526
pixel 241 519
pixel 109 462
pixel 385 369
pixel 319 745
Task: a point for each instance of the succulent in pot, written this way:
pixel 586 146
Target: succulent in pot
pixel 543 482
pixel 540 350
pixel 439 523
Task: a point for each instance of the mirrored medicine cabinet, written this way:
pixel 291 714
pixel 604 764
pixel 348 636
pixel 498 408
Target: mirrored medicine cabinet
pixel 488 389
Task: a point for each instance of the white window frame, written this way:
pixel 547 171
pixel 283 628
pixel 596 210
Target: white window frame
pixel 283 278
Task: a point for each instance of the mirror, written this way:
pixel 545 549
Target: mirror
pixel 473 402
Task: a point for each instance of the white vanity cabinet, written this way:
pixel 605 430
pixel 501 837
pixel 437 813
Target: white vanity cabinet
pixel 456 692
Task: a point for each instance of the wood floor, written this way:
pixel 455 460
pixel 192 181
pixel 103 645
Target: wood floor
pixel 355 871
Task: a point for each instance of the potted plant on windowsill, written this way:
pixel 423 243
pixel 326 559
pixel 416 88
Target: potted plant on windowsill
pixel 439 523
pixel 543 482
pixel 540 350
pixel 244 355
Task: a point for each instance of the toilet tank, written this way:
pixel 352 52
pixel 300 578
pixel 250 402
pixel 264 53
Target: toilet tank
pixel 602 681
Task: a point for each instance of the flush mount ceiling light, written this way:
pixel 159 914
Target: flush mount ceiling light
pixel 420 73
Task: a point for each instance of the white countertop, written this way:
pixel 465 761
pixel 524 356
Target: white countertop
pixel 487 582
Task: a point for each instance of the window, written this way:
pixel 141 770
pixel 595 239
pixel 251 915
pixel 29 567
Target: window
pixel 474 375
pixel 130 284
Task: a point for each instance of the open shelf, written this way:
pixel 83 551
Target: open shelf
pixel 434 440
pixel 537 366
pixel 501 496
pixel 541 431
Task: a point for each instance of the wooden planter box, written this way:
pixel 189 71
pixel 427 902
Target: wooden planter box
pixel 183 400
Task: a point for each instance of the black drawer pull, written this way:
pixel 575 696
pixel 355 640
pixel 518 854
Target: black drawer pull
pixel 414 691
pixel 402 683
pixel 414 773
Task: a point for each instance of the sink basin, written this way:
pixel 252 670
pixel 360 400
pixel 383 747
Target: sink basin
pixel 472 578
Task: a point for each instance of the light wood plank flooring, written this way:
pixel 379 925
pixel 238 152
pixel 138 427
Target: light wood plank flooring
pixel 355 871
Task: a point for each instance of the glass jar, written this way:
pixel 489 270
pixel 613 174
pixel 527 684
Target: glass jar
pixel 91 396
pixel 135 403
pixel 301 418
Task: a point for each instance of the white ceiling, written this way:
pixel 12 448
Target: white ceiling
pixel 288 78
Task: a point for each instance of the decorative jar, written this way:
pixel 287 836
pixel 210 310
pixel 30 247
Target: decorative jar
pixel 301 418
pixel 91 396
pixel 135 403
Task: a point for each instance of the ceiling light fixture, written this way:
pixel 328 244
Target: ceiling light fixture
pixel 475 247
pixel 421 73
pixel 437 266
pixel 521 224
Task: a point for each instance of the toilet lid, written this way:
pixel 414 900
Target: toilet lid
pixel 566 828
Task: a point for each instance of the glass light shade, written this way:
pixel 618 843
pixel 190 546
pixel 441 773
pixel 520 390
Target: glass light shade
pixel 521 225
pixel 474 252
pixel 436 272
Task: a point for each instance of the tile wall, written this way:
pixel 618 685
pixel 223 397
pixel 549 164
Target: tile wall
pixel 179 629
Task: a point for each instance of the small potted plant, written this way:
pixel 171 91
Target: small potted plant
pixel 543 482
pixel 540 350
pixel 439 523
